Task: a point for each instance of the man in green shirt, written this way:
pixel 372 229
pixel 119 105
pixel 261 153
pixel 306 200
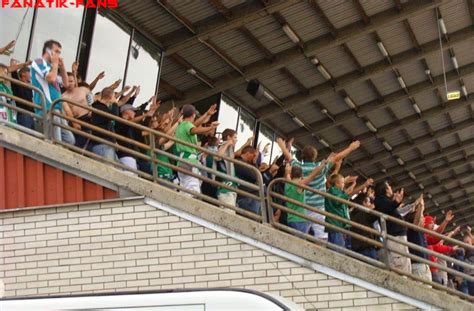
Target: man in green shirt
pixel 295 174
pixel 187 131
pixel 337 208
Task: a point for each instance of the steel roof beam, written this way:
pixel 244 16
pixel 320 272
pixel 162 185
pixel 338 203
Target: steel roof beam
pixel 433 156
pixel 400 148
pixel 241 15
pixel 407 182
pixel 369 71
pixel 316 45
pixel 414 188
pixel 170 90
pixel 407 121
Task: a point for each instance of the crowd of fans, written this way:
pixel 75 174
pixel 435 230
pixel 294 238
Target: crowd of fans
pixel 48 73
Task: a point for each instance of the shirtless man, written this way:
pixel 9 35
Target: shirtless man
pixel 79 95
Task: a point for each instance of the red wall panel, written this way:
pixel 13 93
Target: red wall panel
pixel 26 182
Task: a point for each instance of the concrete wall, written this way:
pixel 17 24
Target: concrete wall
pixel 128 245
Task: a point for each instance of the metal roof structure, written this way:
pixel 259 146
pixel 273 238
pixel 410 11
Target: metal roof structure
pixel 346 69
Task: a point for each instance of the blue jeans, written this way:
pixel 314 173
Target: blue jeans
pixel 25 120
pixel 249 204
pixel 302 226
pixel 105 151
pixel 336 238
pixel 370 252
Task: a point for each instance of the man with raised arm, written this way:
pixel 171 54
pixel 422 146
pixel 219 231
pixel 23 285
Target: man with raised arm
pixel 308 164
pixel 187 131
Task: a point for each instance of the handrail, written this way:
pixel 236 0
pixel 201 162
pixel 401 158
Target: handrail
pixel 259 187
pixel 383 217
pixel 350 222
pixel 37 90
pixel 266 200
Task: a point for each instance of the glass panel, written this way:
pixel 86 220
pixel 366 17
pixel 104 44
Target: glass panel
pixel 10 24
pixel 143 67
pixel 265 136
pixel 108 52
pixel 245 128
pixel 276 152
pixel 228 115
pixel 62 25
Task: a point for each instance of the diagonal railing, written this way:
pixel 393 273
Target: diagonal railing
pixel 269 200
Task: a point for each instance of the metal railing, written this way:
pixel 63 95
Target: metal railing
pixel 268 202
pixel 383 246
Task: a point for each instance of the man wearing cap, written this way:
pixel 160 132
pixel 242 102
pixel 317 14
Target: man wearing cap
pixel 128 112
pixel 22 72
pixel 187 131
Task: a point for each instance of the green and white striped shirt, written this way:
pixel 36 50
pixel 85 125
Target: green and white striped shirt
pixel 319 183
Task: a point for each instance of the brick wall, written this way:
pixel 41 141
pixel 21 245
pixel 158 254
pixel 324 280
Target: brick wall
pixel 128 245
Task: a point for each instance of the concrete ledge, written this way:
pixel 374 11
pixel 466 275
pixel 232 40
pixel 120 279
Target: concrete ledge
pixel 38 149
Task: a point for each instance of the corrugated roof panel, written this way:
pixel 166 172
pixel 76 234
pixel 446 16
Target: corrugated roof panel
pixel 374 7
pixel 395 38
pixel 469 83
pixel 412 73
pixel 417 130
pixel 464 52
pixel 460 115
pixel 447 140
pixel 455 15
pixel 386 83
pixel 438 122
pixel 231 3
pixel 336 61
pixel 177 76
pixel 285 123
pixel 354 126
pixel 466 134
pixel 270 34
pixel 238 47
pixel 340 12
pixel 360 93
pixel 365 50
pixel 334 136
pixel 139 11
pixel 379 117
pixel 305 72
pixel 303 18
pixel 424 25
pixel 402 109
pixel 204 59
pixel 333 102
pixel 410 155
pixel 240 92
pixel 193 11
pixel 395 138
pixel 279 84
pixel 426 100
pixel 309 113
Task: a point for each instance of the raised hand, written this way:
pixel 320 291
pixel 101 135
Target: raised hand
pixel 355 145
pixel 212 110
pixel 369 182
pixel 398 196
pixel 214 124
pixel 7 48
pixel 75 67
pixel 449 216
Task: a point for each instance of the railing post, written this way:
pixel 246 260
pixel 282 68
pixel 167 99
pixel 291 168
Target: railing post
pixel 383 226
pixel 154 169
